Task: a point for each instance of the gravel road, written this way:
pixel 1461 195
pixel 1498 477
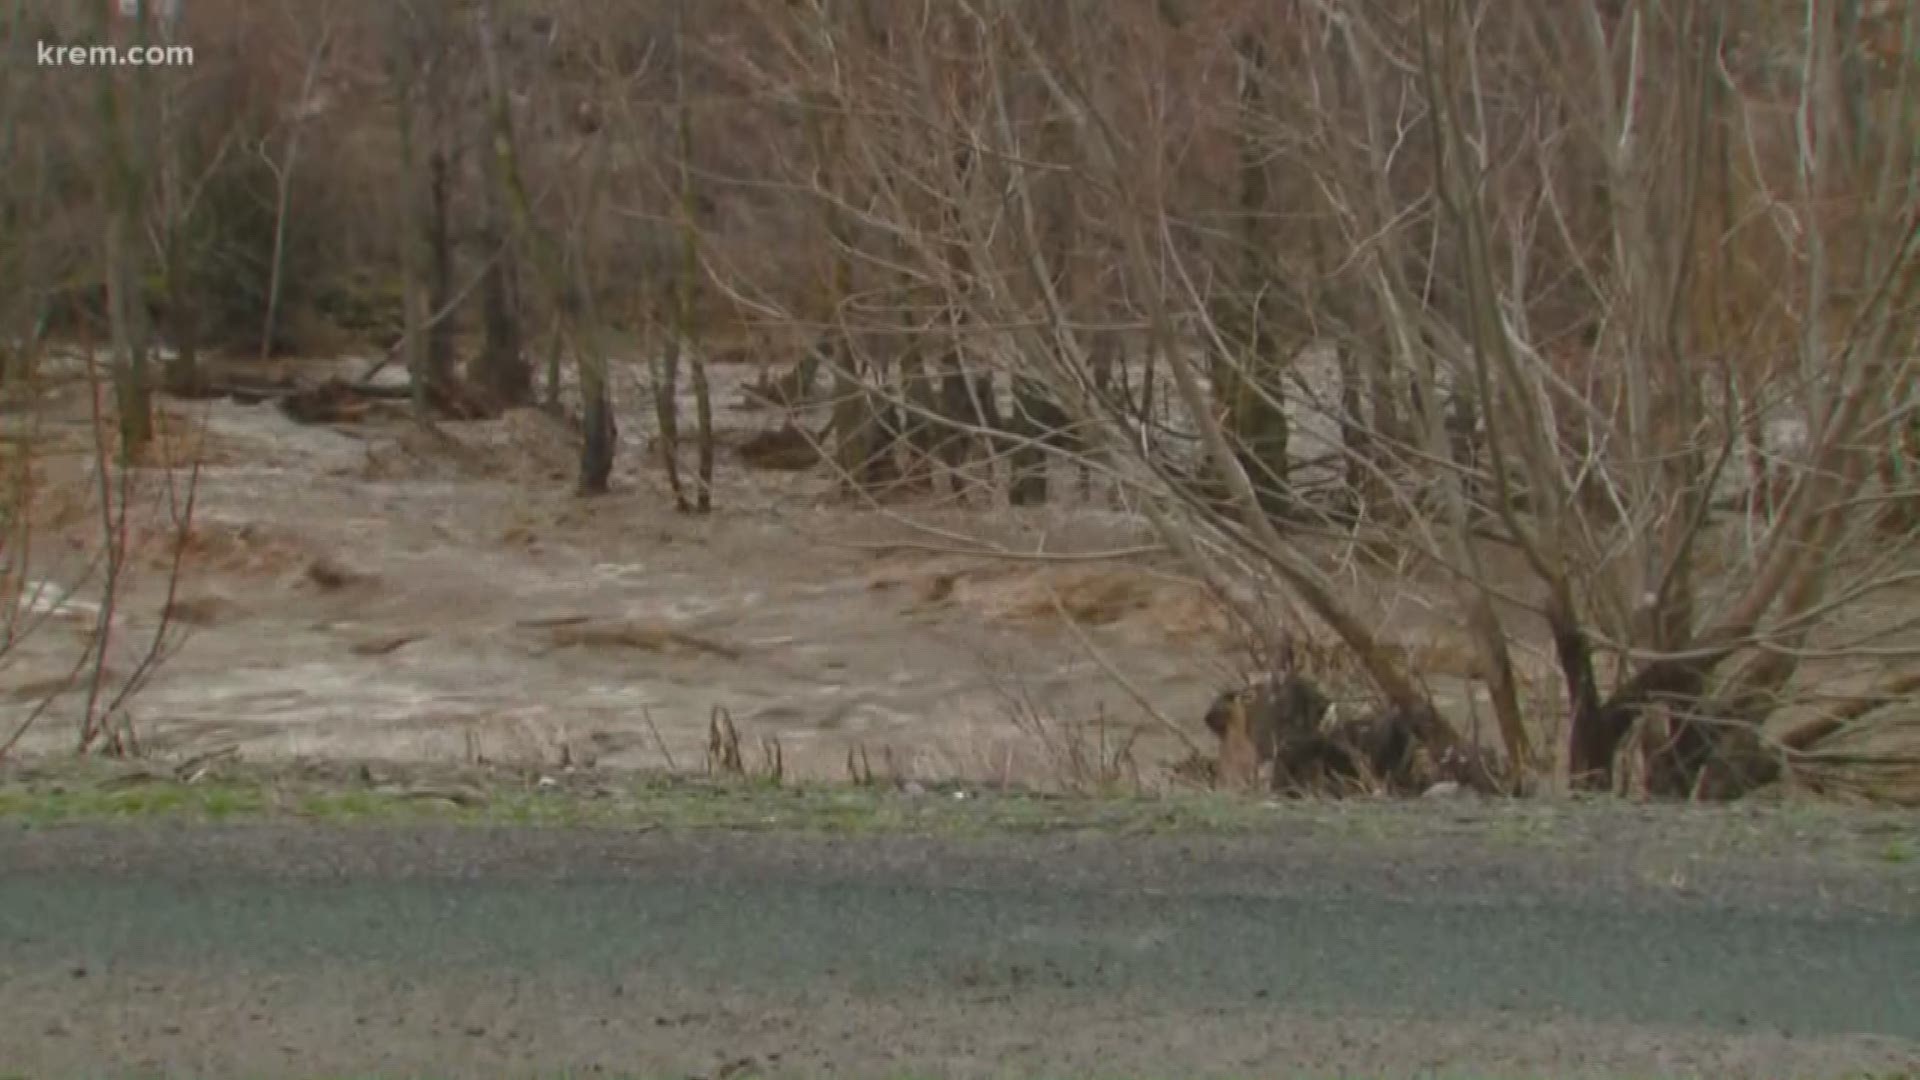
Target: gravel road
pixel 273 950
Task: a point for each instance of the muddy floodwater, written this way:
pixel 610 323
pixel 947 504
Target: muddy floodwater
pixel 367 590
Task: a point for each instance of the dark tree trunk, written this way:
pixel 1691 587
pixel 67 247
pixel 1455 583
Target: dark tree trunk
pixel 556 353
pixel 967 405
pixel 501 371
pixel 1588 741
pixel 687 283
pixel 666 409
pixel 866 429
pixel 1039 422
pixel 598 433
pixel 439 283
pixel 132 384
pixel 1028 464
pixel 183 376
pixel 1249 378
pixel 1597 733
pixel 597 438
pixel 883 434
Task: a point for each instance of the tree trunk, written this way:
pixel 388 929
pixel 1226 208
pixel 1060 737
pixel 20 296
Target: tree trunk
pixel 1038 421
pixel 858 427
pixel 183 376
pixel 502 370
pixel 556 349
pixel 852 429
pixel 703 424
pixel 866 432
pixel 598 429
pixel 1028 461
pixel 666 409
pixel 125 231
pixel 133 393
pixel 439 283
pixel 598 432
pixel 1248 379
pixel 178 263
pixel 920 427
pixel 412 235
pixel 1110 389
pixel 687 282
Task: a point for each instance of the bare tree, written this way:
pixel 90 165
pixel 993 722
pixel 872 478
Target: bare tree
pixel 501 370
pixel 403 67
pixel 863 429
pixel 565 269
pixel 126 140
pixel 679 303
pixel 298 114
pixel 1246 371
pixel 687 281
pixel 1522 370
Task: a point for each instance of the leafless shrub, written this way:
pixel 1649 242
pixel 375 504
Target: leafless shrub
pixel 723 745
pixel 1082 753
pixel 88 502
pixel 659 742
pixel 773 761
pixel 133 509
pixel 1542 324
pixel 859 766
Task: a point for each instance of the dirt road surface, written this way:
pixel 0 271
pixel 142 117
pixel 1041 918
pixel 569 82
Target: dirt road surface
pixel 271 951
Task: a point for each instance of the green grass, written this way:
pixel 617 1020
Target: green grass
pixel 751 1075
pixel 635 803
pixel 757 1077
pixel 62 790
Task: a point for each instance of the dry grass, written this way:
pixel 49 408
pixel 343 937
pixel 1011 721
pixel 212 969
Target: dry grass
pixel 1085 754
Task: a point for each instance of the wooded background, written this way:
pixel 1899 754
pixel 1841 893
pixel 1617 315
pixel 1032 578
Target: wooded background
pixel 1619 293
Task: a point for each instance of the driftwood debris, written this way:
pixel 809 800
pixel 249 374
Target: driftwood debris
pixel 1288 730
pixel 786 448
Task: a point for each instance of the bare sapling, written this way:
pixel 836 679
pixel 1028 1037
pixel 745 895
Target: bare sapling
pixel 283 167
pixel 83 602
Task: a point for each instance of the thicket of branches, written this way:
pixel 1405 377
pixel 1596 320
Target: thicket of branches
pixel 1619 293
pixel 69 544
pixel 1624 288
